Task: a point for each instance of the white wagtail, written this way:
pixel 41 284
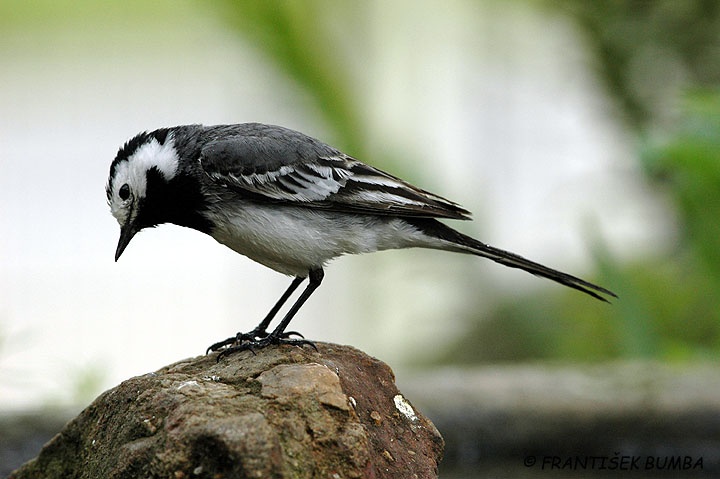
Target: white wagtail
pixel 287 201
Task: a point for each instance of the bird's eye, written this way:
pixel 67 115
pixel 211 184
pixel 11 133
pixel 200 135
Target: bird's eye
pixel 124 192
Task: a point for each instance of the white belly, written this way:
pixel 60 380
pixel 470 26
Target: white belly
pixel 293 240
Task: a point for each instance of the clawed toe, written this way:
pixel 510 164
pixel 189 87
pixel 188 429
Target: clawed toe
pixel 289 334
pixel 239 338
pixel 220 345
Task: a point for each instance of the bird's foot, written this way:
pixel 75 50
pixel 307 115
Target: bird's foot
pixel 255 337
pixel 259 343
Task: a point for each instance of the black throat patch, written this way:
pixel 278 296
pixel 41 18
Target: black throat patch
pixel 178 201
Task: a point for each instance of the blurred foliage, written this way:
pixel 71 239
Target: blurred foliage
pixel 301 39
pixel 689 169
pixel 667 310
pixel 669 307
pixel 647 51
pixel 54 15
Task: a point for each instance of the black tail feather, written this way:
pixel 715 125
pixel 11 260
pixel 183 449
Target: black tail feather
pixel 466 244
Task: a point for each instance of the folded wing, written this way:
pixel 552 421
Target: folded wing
pixel 286 166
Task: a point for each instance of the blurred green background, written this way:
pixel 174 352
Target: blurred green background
pixel 660 63
pixel 451 96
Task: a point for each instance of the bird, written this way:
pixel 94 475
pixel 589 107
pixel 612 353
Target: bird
pixel 289 202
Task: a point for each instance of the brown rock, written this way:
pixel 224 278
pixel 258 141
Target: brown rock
pixel 285 412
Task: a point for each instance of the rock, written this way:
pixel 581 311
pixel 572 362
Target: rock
pixel 284 412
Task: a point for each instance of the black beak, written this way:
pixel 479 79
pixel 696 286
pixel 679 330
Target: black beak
pixel 127 231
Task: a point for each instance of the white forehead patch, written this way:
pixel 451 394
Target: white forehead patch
pixel 133 172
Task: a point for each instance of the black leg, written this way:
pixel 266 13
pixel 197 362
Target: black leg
pixel 315 278
pixel 278 335
pixel 260 330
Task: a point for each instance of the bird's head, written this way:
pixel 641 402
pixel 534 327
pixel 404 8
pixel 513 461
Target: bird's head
pixel 138 182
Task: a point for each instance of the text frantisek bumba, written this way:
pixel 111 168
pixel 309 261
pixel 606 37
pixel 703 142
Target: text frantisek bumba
pixel 616 462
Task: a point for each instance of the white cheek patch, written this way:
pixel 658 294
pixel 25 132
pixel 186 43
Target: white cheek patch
pixel 133 172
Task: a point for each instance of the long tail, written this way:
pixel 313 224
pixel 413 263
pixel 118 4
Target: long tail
pixel 456 241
